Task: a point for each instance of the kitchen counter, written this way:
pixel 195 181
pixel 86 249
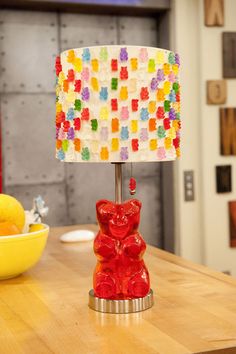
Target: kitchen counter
pixel 45 310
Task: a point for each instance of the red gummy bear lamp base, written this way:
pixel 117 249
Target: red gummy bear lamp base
pixel 121 279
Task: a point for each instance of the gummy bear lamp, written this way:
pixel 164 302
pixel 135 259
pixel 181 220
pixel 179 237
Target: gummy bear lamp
pixel 118 104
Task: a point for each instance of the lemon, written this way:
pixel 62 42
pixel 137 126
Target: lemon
pixel 12 211
pixel 36 227
pixel 7 228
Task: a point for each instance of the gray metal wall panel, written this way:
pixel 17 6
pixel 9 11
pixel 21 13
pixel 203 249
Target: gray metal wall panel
pixel 29 139
pixel 29 44
pixel 53 194
pixel 137 31
pixel 88 183
pixel 87 30
pixel 148 192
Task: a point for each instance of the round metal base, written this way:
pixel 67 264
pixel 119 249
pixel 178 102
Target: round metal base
pixel 120 306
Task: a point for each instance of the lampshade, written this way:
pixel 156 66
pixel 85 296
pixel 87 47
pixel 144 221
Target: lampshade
pixel 117 104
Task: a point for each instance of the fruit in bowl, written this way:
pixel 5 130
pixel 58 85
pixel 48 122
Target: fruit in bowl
pixel 18 251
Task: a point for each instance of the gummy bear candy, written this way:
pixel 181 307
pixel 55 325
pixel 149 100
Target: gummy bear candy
pixel 70 134
pixel 176 142
pixel 85 114
pixel 143 55
pixel 166 123
pixel 104 113
pixel 154 84
pixel 94 84
pixel 103 54
pixel 61 155
pixel 120 272
pixel 160 57
pixel 85 154
pixel 161 153
pixel 124 133
pixel 86 55
pixel 123 93
pixel 134 104
pixel 71 75
pixel 58 65
pixel 77 144
pixel 166 87
pixel 144 94
pixel 95 65
pixel 160 113
pixel 94 124
pixel 171 58
pixel 172 114
pixel 143 134
pixel 134 64
pixel 114 83
pixel 160 75
pixel 78 105
pixel 114 104
pixel 70 114
pixel 176 87
pixel 104 154
pixel 166 69
pixel 104 133
pixel 78 65
pixel 144 115
pixel 161 133
pixel 134 126
pixel 124 154
pixel 135 144
pixel 152 124
pixel 85 94
pixel 153 144
pixel 77 85
pixel 168 143
pixel 66 126
pixel 114 65
pixel 114 144
pixel 103 94
pixel 152 107
pixel 85 74
pixel 65 85
pixel 65 145
pixel 124 113
pixel 123 73
pixel 115 125
pixel 151 65
pixel 123 54
pixel 77 123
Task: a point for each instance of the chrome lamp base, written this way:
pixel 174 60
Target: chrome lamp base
pixel 120 306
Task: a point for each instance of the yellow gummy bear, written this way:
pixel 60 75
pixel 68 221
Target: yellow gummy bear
pixel 61 78
pixel 134 126
pixel 94 84
pixel 58 107
pixel 175 69
pixel 58 90
pixel 104 154
pixel 172 133
pixel 178 152
pixel 114 144
pixel 152 107
pixel 104 113
pixel 175 124
pixel 166 87
pixel 153 144
pixel 168 143
pixel 123 93
pixel 71 56
pixel 134 63
pixel 78 64
pixel 94 146
pixel 160 57
pixel 160 95
pixel 95 66
pixel 166 69
pixel 71 96
pixel 176 106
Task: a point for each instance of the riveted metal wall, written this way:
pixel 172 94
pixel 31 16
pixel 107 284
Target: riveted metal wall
pixel 29 42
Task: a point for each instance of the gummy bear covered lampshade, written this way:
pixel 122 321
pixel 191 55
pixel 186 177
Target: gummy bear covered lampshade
pixel 117 104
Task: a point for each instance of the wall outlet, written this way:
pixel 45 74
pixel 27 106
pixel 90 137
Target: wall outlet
pixel 188 186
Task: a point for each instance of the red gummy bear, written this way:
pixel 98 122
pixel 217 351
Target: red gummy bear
pixel 120 272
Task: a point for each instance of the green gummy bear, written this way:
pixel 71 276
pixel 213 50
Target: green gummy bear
pixel 177 115
pixel 176 87
pixel 167 106
pixel 94 124
pixel 171 58
pixel 85 154
pixel 114 83
pixel 65 145
pixel 78 105
pixel 151 63
pixel 161 133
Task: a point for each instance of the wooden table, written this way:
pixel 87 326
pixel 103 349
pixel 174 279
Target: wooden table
pixel 45 310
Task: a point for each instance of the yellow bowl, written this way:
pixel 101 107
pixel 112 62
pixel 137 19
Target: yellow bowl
pixel 20 252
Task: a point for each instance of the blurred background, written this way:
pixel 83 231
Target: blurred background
pixel 184 208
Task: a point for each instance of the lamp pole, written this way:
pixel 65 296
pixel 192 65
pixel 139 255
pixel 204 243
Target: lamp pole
pixel 118 182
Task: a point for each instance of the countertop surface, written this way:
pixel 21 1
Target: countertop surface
pixel 45 310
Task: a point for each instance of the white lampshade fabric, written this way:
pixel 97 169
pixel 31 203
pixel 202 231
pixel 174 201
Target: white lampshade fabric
pixel 117 104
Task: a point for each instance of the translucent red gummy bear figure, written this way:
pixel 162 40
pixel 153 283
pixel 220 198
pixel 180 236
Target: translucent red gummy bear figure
pixel 120 272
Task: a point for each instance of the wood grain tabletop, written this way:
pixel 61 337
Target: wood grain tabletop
pixel 45 310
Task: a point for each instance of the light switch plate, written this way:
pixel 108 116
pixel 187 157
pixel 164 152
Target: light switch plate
pixel 188 186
